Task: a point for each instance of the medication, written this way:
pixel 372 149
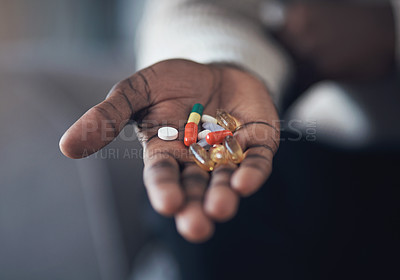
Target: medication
pixel 218 154
pixel 167 133
pixel 212 127
pixel 208 119
pixel 203 143
pixel 233 148
pixel 203 134
pixel 226 120
pixel 195 115
pixel 201 157
pixel 190 133
pixel 217 137
pixel 191 127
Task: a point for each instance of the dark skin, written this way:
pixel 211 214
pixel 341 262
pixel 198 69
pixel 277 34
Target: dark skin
pixel 340 40
pixel 164 94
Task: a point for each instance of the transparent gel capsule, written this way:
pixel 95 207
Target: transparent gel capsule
pixel 218 154
pixel 201 157
pixel 226 120
pixel 233 148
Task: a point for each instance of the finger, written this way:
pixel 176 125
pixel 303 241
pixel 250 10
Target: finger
pixel 161 177
pixel 221 201
pixel 192 223
pixel 261 141
pixel 103 122
pixel 253 171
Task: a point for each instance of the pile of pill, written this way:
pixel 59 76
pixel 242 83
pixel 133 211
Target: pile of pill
pixel 214 144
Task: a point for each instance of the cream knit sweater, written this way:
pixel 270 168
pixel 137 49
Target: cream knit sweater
pixel 216 31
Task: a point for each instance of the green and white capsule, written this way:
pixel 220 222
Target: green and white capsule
pixel 195 115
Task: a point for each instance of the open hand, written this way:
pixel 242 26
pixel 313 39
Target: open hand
pixel 164 94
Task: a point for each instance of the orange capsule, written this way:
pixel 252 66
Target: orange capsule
pixel 190 133
pixel 217 137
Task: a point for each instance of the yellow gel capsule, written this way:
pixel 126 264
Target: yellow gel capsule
pixel 226 120
pixel 233 148
pixel 218 154
pixel 201 157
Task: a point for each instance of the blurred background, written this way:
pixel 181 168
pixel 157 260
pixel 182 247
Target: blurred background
pixel 61 218
pixel 90 218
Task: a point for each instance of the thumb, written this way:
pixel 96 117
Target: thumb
pixel 103 122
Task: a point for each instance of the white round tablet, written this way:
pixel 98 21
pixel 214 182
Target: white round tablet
pixel 203 134
pixel 207 118
pixel 167 133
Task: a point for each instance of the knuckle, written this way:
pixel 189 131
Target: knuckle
pixel 165 163
pixel 166 65
pixel 121 84
pixel 119 87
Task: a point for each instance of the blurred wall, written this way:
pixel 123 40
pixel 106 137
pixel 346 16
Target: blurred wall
pixel 65 22
pixel 60 218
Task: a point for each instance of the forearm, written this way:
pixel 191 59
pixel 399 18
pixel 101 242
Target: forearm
pixel 208 32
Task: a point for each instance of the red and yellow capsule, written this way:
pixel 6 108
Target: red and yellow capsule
pixel 217 137
pixel 191 127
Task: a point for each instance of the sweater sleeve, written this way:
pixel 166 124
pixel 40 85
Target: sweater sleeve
pixel 396 13
pixel 212 31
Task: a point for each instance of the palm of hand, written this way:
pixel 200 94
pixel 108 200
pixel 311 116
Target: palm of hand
pixel 164 94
